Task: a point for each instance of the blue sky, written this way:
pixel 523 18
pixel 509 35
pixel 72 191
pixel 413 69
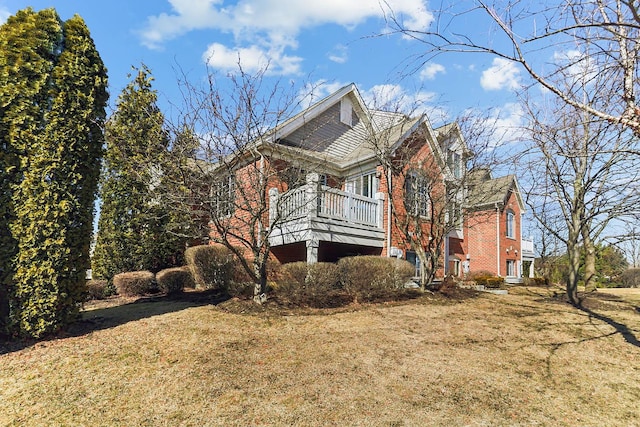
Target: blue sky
pixel 333 42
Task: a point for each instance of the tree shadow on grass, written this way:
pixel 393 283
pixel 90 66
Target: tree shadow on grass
pixel 593 303
pixel 620 328
pixel 110 317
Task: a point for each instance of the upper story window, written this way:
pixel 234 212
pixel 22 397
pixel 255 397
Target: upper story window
pixel 365 185
pixel 223 194
pixel 511 224
pixel 454 161
pixel 417 198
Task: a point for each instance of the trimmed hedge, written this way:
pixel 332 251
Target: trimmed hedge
pixel 313 285
pixel 98 289
pixel 211 266
pixel 486 279
pixel 135 283
pixel 352 279
pixel 368 278
pixel 174 280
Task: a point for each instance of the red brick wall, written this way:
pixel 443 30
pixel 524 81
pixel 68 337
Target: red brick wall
pixel 422 158
pixel 481 240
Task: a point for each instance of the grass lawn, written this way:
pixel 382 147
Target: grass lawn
pixel 526 358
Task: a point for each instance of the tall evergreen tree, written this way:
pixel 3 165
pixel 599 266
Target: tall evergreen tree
pixel 53 85
pixel 134 227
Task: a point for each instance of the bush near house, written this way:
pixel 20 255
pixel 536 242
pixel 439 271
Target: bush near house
pixel 174 280
pixel 368 278
pixel 211 266
pixel 313 285
pixel 486 279
pixel 135 283
pixel 98 289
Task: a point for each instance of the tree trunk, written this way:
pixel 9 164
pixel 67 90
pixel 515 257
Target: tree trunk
pixel 573 252
pixel 589 262
pixel 423 269
pixel 260 287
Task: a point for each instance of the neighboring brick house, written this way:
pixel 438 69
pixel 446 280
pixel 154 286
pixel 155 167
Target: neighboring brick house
pixel 341 206
pixel 493 226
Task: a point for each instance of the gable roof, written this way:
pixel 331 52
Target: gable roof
pixel 319 135
pixel 485 191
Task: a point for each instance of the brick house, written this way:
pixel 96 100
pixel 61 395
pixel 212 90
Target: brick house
pixel 333 198
pixel 493 227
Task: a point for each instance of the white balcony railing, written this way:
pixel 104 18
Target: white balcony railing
pixel 325 202
pixel 527 247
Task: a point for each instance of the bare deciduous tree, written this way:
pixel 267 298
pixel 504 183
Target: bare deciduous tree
pixel 579 174
pixel 225 159
pixel 548 40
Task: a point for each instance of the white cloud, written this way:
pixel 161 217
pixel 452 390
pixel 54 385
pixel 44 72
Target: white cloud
pixel 575 65
pixel 393 97
pixel 252 58
pixel 339 54
pixel 274 25
pixel 502 74
pixel 506 125
pixel 314 92
pixel 4 15
pixel 430 71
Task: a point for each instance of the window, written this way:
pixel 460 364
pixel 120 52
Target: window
pixel 417 195
pixel 511 226
pixel 454 161
pixel 413 259
pixel 454 207
pixel 364 185
pixel 511 268
pixel 223 194
pixel 455 214
pixel 454 267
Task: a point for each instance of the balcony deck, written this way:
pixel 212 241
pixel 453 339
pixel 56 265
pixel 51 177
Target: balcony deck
pixel 528 250
pixel 320 213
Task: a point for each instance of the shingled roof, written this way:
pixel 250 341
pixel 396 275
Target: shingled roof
pixel 485 190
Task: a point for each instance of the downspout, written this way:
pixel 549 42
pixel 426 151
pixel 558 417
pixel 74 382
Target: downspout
pixel 498 239
pixel 389 201
pixel 260 225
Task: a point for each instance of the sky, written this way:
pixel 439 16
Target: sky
pixel 329 43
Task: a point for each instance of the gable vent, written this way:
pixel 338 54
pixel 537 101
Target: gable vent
pixel 346 111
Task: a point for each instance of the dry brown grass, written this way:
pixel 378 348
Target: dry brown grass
pixel 523 359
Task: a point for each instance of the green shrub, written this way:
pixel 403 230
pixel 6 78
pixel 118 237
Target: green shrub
pixel 211 266
pixel 630 278
pixel 486 279
pixel 97 289
pixel 494 282
pixel 135 283
pixel 369 278
pixel 174 280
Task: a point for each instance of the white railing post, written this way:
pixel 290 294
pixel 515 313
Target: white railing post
pixel 273 204
pixel 312 194
pixel 380 210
